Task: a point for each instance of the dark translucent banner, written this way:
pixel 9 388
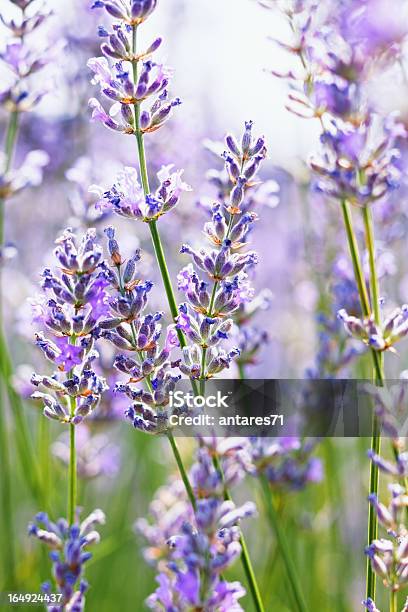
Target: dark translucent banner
pixel 273 408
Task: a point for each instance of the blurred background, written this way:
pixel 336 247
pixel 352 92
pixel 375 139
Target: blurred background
pixel 222 54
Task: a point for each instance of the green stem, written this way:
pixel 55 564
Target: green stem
pixel 161 260
pixel 245 557
pixel 369 236
pixel 393 601
pixel 378 376
pixel 241 370
pixel 377 359
pixel 283 546
pixel 355 257
pixel 182 470
pixel 154 231
pixel 204 354
pixel 72 472
pixel 72 467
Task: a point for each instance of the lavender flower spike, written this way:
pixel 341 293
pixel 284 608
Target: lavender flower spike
pixel 69 554
pixel 378 337
pixel 202 549
pixel 75 301
pixel 126 197
pixel 203 319
pixel 115 79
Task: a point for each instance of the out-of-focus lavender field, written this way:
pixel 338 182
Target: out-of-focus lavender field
pixel 242 216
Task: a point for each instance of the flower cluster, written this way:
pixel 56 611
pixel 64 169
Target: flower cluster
pixel 128 329
pixel 203 319
pixel 29 174
pixel 75 302
pixel 359 164
pixel 370 605
pixel 390 409
pixel 125 83
pixel 200 548
pixel 389 557
pixel 378 337
pixel 337 46
pixel 69 554
pixel 127 199
pixel 23 58
pixel 132 12
pixel 287 462
pixel 168 511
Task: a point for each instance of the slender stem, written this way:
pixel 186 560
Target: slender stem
pixel 283 546
pixel 154 231
pixel 72 467
pixel 369 236
pixel 72 474
pixel 204 354
pixel 393 601
pixel 377 359
pixel 372 515
pixel 241 370
pixel 245 557
pixel 250 575
pixel 355 257
pixel 182 469
pixel 161 260
pixel 378 377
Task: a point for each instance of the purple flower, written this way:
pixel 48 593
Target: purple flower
pixel 359 164
pixel 126 197
pixel 76 299
pixel 24 57
pixel 168 512
pixel 29 174
pixel 69 554
pixel 99 114
pixel 199 550
pixel 370 605
pixel 117 84
pixel 287 462
pixel 69 355
pixel 378 337
pixel 132 12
